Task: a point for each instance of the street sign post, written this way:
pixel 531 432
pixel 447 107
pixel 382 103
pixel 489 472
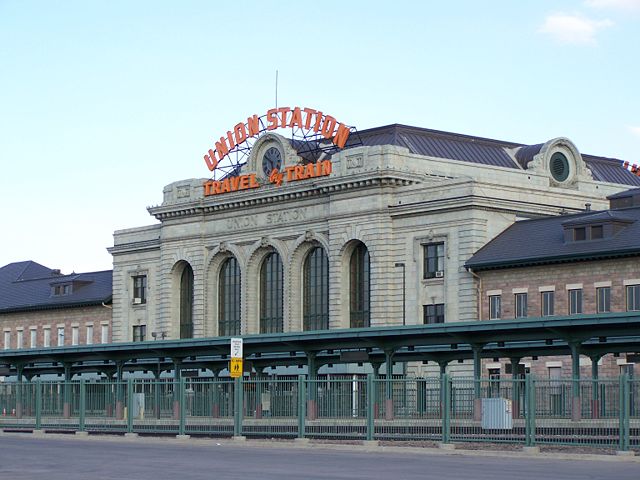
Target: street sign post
pixel 235 366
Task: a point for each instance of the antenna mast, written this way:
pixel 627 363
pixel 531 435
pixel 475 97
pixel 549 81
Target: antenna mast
pixel 276 88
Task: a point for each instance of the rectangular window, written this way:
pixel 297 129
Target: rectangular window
pixel 7 340
pixel 547 304
pixel 34 338
pixel 495 304
pixel 139 333
pixel 597 232
pixel 603 299
pixel 60 336
pixel 46 337
pixel 434 260
pixel 434 313
pixel 19 338
pixel 104 334
pixel 139 289
pixel 575 301
pixel 579 234
pixel 633 298
pixel 75 335
pixel 89 339
pixel 521 305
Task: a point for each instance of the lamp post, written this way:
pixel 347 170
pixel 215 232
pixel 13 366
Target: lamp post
pixel 404 294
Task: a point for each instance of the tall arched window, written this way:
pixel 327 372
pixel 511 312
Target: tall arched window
pixel 359 302
pixel 316 290
pixel 271 286
pixel 186 302
pixel 229 298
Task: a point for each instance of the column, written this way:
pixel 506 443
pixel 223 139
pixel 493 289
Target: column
pixel 576 408
pixel 66 405
pixel 515 391
pixel 595 387
pixel 119 391
pixel 388 385
pixel 477 374
pixel 177 365
pixel 312 408
pixel 19 387
pixel 374 388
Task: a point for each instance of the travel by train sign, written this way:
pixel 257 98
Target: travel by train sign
pixel 314 135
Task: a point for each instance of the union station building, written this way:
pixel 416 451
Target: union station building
pixel 378 232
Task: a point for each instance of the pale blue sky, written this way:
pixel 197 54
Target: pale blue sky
pixel 102 103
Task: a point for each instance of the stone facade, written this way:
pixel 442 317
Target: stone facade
pixel 393 201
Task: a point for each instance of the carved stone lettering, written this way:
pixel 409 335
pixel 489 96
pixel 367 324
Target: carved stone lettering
pixel 183 191
pixel 237 223
pixel 286 216
pixel 355 161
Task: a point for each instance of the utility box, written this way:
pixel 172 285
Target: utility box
pixel 497 414
pixel 138 405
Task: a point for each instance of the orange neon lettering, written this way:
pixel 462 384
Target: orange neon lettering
pixel 309 171
pixel 289 171
pixel 307 120
pixel 326 167
pixel 232 142
pixel 316 127
pixel 272 118
pixel 296 118
pixel 254 125
pixel 283 117
pixel 253 183
pixel 240 132
pixel 298 171
pixel 328 126
pixel 206 186
pixel 342 135
pixel 224 186
pixel 216 187
pixel 244 182
pixel 235 182
pixel 211 160
pixel 221 148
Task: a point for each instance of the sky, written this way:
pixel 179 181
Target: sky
pixel 103 103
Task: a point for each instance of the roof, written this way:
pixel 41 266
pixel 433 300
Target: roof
pixel 29 286
pixel 485 151
pixel 540 241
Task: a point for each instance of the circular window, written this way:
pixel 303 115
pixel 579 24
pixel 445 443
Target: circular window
pixel 559 166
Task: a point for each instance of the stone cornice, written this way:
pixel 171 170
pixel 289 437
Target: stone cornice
pixel 135 246
pixel 279 195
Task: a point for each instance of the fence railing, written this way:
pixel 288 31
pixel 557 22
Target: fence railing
pixel 530 411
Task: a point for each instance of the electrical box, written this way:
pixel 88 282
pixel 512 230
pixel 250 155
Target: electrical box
pixel 497 414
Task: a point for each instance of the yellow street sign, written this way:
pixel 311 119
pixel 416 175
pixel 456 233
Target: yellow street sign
pixel 235 367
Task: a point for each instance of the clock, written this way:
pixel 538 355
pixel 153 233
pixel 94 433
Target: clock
pixel 271 160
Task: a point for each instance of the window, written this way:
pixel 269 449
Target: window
pixel 89 338
pixel 603 299
pixel 359 288
pixel 62 290
pixel 46 337
pixel 271 293
pixel 7 340
pixel 34 338
pixel 186 302
pixel 597 232
pixel 229 298
pixel 139 289
pixel 575 301
pixel 434 313
pixel 547 304
pixel 139 333
pixel 633 298
pixel 19 338
pixel 60 336
pixel 316 290
pixel 521 305
pixel 75 335
pixel 104 334
pixel 434 260
pixel 495 302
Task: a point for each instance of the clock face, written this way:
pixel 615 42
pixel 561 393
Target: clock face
pixel 271 160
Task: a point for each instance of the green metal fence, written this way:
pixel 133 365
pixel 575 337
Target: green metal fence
pixel 528 411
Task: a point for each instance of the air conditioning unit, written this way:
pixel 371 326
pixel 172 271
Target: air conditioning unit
pixel 440 274
pixel 137 301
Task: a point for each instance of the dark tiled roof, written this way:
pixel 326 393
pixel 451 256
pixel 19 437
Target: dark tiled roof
pixel 626 193
pixel 605 216
pixel 467 148
pixel 540 241
pixel 28 286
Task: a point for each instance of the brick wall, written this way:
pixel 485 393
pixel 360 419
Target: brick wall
pixel 587 275
pixel 79 317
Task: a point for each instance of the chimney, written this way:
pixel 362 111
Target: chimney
pixel 587 207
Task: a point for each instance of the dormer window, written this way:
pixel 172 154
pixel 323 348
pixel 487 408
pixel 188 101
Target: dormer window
pixel 579 234
pixel 59 290
pixel 595 226
pixel 597 232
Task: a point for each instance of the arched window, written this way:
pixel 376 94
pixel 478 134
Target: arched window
pixel 316 290
pixel 271 285
pixel 359 290
pixel 186 303
pixel 229 298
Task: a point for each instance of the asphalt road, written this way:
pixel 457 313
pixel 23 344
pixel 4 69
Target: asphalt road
pixel 24 457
